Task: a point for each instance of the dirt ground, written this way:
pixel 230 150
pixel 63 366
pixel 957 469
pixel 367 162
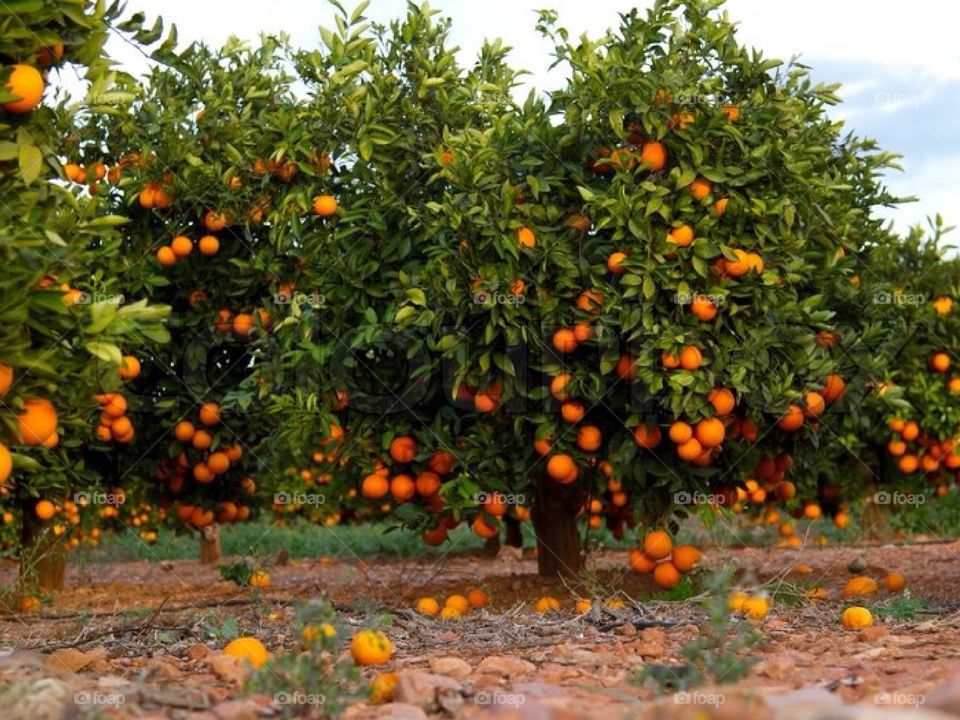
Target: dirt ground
pixel 134 640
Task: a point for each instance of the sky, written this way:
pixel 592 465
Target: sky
pixel 898 62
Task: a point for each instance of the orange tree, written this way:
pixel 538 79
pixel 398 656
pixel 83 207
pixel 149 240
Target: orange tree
pixel 66 317
pixel 599 305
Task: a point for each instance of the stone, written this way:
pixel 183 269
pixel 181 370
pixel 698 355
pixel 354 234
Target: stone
pixel 509 665
pixel 420 688
pixel 872 634
pixel 451 666
pixel 198 651
pixel 228 668
pixel 777 667
pixel 162 669
pixel 72 660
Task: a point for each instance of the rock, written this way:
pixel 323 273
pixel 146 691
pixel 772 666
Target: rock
pixel 399 711
pixel 421 689
pixel 539 690
pixel 625 629
pixel 872 634
pixel 45 698
pixel 245 709
pixel 451 666
pixel 72 660
pixel 777 667
pixel 162 669
pixel 228 668
pixel 198 651
pixel 509 665
pixel 651 643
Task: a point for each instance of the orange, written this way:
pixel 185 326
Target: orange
pixel 657 545
pixel 690 451
pixel 558 385
pixel 184 431
pixel 583 331
pixel 402 488
pixel 6 379
pixel 210 413
pixel 792 419
pixel 647 436
pixel 908 464
pixel 590 301
pixel 202 440
pixel 565 340
pixel 626 368
pixel 526 237
pixel 894 582
pixel 654 156
pixel 710 432
pixel 681 236
pixel 547 604
pixel 700 188
pixel 483 529
pixel 690 357
pixel 325 205
pixel 812 511
pixel 665 575
pixel 910 431
pixel 703 308
pixel 543 445
pixel 375 486
pixel 669 360
pixel 26 83
pixel 129 368
pixel 218 463
pixel 259 579
pixel 202 474
pixel 940 362
pixel 860 586
pixel 640 562
pixel 841 520
pixel 572 412
pixel 428 606
pixel 181 246
pixel 121 426
pixel 243 324
pixel 44 510
pixel 854 618
pixel 38 421
pixel 814 404
pixel 680 432
pixel 685 558
pixel 403 449
pixel 943 305
pixel 6 463
pixel 562 469
pixel 477 597
pixel 248 649
pixel 209 245
pixel 589 438
pixel 427 484
pixel 722 400
pixel 615 263
pixel 458 603
pixel 834 388
pixel 215 221
pixel 166 257
pixel 732 112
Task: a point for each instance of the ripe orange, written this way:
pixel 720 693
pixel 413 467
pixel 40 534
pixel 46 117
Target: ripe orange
pixel 558 386
pixel 704 308
pixel 209 245
pixel 654 156
pixel 792 419
pixel 371 647
pixel 325 205
pixel 483 529
pixel 403 449
pixel 184 431
pixel 814 404
pixel 647 436
pixel 6 463
pixel 700 188
pixel 685 558
pixel 583 331
pixel 690 451
pixel 615 263
pixel 562 469
pixel 543 445
pixel 860 586
pixel 26 83
pixel 37 422
pixel 202 440
pixel 427 484
pixel 911 431
pixel 665 575
pixel 943 305
pixel 129 368
pixel 218 463
pixel 6 379
pixel 690 357
pixel 834 388
pixel 720 206
pixel 202 474
pixel 402 488
pixel 590 301
pixel 657 545
pixel 940 362
pixel 894 582
pixel 681 236
pixel 732 112
pixel 526 237
pixel 722 400
pixel 44 510
pixel 626 368
pixel 166 257
pixel 680 432
pixel 908 464
pixel 710 432
pixel 181 246
pixel 215 221
pixel 564 340
pixel 640 562
pixel 546 605
pixel 477 597
pixel 589 438
pixel 669 361
pixel 210 413
pixel 375 486
pixel 572 412
pixel 121 427
pixel 812 511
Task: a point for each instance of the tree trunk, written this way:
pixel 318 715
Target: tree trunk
pixel 513 536
pixel 210 544
pixel 555 524
pixel 43 559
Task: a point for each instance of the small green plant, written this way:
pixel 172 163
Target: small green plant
pixel 720 654
pixel 239 572
pixel 225 630
pixel 901 607
pixel 312 680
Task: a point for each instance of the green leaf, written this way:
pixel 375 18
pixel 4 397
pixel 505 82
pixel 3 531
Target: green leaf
pixel 31 161
pixel 586 194
pixel 108 352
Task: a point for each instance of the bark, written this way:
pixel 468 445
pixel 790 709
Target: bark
pixel 513 536
pixel 43 560
pixel 559 551
pixel 210 544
